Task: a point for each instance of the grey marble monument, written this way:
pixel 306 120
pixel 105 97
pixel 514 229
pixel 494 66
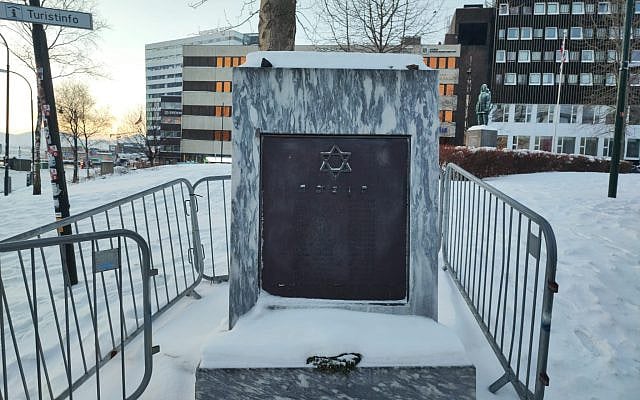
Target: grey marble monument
pixel 329 94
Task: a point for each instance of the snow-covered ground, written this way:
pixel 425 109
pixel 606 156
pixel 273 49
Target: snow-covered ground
pixel 594 350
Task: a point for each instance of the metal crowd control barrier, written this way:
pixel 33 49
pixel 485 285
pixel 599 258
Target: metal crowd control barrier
pixel 214 192
pixel 54 337
pixel 495 248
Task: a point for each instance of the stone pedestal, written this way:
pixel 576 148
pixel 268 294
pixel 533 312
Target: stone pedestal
pixel 481 136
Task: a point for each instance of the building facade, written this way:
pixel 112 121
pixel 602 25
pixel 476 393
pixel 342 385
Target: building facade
pixel 535 104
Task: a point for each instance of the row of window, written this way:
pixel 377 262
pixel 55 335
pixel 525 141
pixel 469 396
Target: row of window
pixel 207 86
pixel 216 61
pixel 440 62
pixel 445 115
pixel 164 85
pixel 555 8
pixel 567 113
pixel 215 111
pixel 549 78
pixel 168 76
pixel 446 89
pixel 585 56
pixel 555 33
pixel 589 146
pixel 202 134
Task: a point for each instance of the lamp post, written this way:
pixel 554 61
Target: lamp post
pixel 31 107
pixel 6 134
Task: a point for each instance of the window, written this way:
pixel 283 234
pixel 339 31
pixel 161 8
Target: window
pixel 567 54
pixel 577 8
pixel 586 79
pixel 566 144
pixel 526 33
pixel 500 113
pixel 601 33
pixel 564 8
pixel 587 56
pixel 523 113
pixel 514 10
pixel 512 33
pixel 607 147
pixel 501 34
pixel 534 79
pixel 598 79
pixel 503 9
pixel 589 115
pixel 588 33
pixel 589 8
pixel 568 114
pixel 600 56
pixel 446 116
pixel 634 79
pixel 510 79
pixel 500 56
pixel 499 79
pixel 538 33
pixel 614 32
pixel 442 63
pixel 604 7
pixel 637 7
pixel 520 143
pixel 610 79
pixel 635 56
pixel 543 143
pixel 524 56
pixel 545 114
pixel 576 33
pixel 573 55
pixel 539 9
pixel 547 79
pixel 536 56
pixel 551 33
pixel 511 56
pixel 501 142
pixel 633 148
pixel 451 62
pixel 526 10
pixel 559 79
pixel 548 55
pixel 589 146
pixel 612 56
pixel 634 115
pixel 552 8
pixel 522 79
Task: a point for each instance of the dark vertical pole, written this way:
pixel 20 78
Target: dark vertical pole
pixel 6 132
pixel 54 149
pixel 618 136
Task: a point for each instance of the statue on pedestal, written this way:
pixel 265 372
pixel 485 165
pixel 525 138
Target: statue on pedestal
pixel 483 106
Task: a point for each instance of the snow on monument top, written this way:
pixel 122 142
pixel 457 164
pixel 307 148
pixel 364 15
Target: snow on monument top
pixel 334 60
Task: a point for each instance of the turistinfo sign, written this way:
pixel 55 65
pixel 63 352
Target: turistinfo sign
pixel 45 16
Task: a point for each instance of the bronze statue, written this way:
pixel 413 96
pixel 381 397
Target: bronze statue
pixel 483 106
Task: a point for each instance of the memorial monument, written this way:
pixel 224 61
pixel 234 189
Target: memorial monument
pixel 481 135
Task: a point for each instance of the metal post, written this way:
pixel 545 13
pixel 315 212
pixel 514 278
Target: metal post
pixel 6 133
pixel 621 103
pixel 54 148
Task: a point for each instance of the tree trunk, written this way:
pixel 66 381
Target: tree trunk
pixel 86 149
pixel 75 159
pixel 277 25
pixel 37 183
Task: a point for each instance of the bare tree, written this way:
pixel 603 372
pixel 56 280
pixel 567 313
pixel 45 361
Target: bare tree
pixel 379 26
pixel 80 118
pixel 133 131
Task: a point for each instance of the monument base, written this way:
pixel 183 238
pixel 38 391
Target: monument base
pixel 266 355
pixel 481 136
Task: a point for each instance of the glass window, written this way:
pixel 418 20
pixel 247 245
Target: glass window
pixel 511 56
pixel 499 79
pixel 577 8
pixel 514 10
pixel 614 32
pixel 547 78
pixel 520 143
pixel 559 55
pixel 568 114
pixel 548 55
pixel 576 33
pixel 524 56
pixel 588 33
pixel 589 146
pixel 589 115
pixel 526 10
pixel 500 56
pixel 503 9
pixel 601 33
pixel 501 142
pixel 451 62
pixel 610 79
pixel 573 55
pixel 634 115
pixel 534 79
pixel 598 79
pixel 587 56
pixel 604 7
pixel 607 147
pixel 637 7
pixel 635 56
pixel 564 8
pixel 559 79
pixel 566 144
pixel 512 33
pixel 612 56
pixel 539 9
pixel 526 33
pixel 634 79
pixel 536 56
pixel 500 113
pixel 523 113
pixel 543 143
pixel 522 79
pixel 586 79
pixel 510 79
pixel 545 114
pixel 600 56
pixel 552 8
pixel 501 34
pixel 442 63
pixel 633 148
pixel 551 33
pixel 538 33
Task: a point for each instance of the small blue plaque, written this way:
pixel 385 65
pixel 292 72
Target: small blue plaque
pixel 105 260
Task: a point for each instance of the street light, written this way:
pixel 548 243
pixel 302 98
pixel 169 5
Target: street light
pixel 6 134
pixel 32 128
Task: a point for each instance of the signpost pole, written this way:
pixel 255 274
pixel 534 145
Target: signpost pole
pixel 46 101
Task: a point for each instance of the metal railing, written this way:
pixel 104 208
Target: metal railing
pixel 502 257
pixel 55 337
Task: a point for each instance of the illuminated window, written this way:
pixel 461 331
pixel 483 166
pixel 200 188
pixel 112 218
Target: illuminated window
pixel 442 63
pixel 219 62
pixel 451 62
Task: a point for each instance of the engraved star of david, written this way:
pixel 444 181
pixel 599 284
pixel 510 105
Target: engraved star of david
pixel 335 161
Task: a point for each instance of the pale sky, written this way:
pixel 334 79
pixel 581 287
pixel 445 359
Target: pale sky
pixel 132 24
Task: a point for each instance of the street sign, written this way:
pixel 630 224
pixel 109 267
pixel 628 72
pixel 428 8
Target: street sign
pixel 45 16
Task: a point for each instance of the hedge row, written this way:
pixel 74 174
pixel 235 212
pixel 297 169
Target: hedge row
pixel 485 161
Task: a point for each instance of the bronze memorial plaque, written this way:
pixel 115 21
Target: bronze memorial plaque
pixel 334 216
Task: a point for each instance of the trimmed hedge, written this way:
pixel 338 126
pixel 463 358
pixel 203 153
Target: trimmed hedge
pixel 484 162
